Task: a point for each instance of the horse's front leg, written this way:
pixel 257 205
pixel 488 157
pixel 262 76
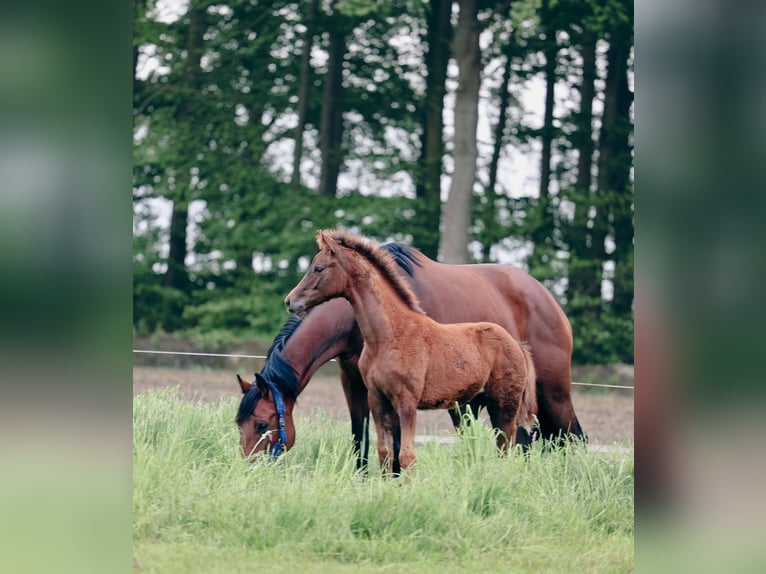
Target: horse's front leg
pixel 386 426
pixel 359 410
pixel 475 404
pixel 557 419
pixel 407 410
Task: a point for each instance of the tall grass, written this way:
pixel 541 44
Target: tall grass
pixel 199 507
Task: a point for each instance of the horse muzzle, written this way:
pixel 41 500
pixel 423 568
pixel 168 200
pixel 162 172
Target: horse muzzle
pixel 295 307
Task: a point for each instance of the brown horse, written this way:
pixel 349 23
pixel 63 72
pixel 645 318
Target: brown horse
pixel 448 293
pixel 269 430
pixel 409 361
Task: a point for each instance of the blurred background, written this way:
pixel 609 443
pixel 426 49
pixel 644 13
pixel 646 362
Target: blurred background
pixel 475 131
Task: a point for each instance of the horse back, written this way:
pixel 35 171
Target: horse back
pixel 500 294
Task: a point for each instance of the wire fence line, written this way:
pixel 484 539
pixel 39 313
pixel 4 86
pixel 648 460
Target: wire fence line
pixel 234 356
pixel 201 354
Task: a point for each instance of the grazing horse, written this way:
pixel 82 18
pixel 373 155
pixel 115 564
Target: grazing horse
pixel 409 361
pixel 500 294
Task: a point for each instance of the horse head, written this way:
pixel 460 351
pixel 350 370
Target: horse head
pixel 265 424
pixel 326 277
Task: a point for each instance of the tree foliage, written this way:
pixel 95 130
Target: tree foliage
pixel 224 226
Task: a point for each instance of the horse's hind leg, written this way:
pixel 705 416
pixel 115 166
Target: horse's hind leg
pixel 505 424
pixel 502 410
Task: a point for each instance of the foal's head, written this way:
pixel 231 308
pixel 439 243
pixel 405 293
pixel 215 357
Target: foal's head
pixel 344 259
pixel 265 424
pixel 327 276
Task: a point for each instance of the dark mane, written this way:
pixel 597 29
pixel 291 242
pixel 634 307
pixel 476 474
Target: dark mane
pixel 276 370
pixel 403 255
pixel 383 260
pixel 284 334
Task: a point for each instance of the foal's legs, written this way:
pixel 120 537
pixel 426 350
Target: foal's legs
pixel 386 424
pixel 406 408
pixel 502 421
pixel 503 401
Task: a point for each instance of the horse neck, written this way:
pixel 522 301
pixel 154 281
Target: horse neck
pixel 377 306
pixel 322 335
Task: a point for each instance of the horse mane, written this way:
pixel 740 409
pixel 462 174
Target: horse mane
pixel 384 261
pixel 276 370
pixel 404 256
pixel 284 334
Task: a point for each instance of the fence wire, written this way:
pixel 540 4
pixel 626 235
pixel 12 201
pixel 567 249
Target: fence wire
pixel 194 354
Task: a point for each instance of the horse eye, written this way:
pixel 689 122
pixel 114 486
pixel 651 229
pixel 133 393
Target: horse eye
pixel 318 269
pixel 261 427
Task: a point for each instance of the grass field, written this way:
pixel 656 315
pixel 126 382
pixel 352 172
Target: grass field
pixel 198 507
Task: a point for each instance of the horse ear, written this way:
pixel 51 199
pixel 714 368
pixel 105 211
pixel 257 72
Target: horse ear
pixel 260 382
pixel 243 384
pixel 325 241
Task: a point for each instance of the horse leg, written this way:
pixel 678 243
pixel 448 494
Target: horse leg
pixel 397 467
pixel 505 423
pixel 359 410
pixel 556 413
pixel 386 424
pixel 476 404
pixel 502 407
pixel 456 415
pixel 407 411
pixel 525 438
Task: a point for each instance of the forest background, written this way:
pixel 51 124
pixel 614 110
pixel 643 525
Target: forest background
pixel 475 131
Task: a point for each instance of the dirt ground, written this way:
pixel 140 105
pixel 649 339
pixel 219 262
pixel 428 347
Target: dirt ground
pixel 606 415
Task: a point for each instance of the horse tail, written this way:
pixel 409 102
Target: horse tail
pixel 528 405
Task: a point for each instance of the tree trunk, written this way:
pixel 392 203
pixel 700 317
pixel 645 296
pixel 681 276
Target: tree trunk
pixel 551 52
pixel 457 210
pixel 176 275
pixel 138 12
pixel 492 231
pixel 581 271
pixel 621 212
pixel 428 190
pixel 585 117
pixel 303 91
pixel 331 123
pixel 505 98
pixel 614 154
pixel 542 234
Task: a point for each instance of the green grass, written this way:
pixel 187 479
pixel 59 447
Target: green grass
pixel 198 507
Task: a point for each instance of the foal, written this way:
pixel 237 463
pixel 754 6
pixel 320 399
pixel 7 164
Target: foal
pixel 409 361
